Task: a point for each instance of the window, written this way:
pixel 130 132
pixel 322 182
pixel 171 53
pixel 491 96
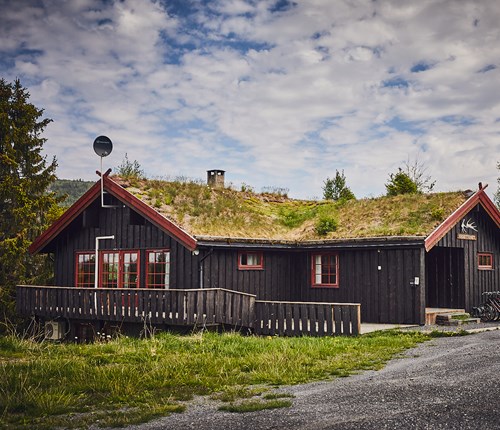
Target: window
pixel 117 269
pixel 250 261
pixel 485 261
pixel 325 270
pixel 158 269
pixel 108 269
pixel 130 272
pixel 85 269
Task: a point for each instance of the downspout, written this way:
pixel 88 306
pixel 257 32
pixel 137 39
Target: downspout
pixel 96 271
pixel 200 265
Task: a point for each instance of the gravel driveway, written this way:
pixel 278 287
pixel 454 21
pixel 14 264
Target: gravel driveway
pixel 447 383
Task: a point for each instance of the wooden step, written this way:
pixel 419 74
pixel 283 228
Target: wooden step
pixel 431 313
pixel 455 318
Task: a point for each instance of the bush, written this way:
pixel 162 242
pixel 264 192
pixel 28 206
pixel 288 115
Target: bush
pixel 400 183
pixel 130 169
pixel 437 214
pixel 326 225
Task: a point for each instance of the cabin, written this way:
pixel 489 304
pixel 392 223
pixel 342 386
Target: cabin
pixel 135 254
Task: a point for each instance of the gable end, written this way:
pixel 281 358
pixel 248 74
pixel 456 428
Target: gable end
pixel 124 196
pixel 481 198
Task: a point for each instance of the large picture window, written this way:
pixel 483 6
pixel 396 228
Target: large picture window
pixel 250 260
pixel 325 269
pixel 117 269
pixel 158 269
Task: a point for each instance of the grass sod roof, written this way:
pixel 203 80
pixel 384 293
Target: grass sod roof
pixel 226 213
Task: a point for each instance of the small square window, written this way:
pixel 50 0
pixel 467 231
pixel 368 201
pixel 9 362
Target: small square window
pixel 250 261
pixel 485 261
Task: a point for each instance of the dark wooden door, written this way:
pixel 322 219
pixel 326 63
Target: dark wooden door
pixel 445 278
pixel 398 292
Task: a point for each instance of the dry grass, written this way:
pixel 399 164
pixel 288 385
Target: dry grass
pixel 205 211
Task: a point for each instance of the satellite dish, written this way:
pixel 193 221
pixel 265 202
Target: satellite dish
pixel 103 146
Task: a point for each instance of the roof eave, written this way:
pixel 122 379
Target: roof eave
pixel 121 194
pixel 238 242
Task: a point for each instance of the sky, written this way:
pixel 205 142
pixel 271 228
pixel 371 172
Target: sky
pixel 276 93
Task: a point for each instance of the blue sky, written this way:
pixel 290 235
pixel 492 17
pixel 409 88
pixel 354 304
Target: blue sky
pixel 276 93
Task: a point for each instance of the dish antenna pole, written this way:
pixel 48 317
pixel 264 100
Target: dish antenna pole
pixel 103 147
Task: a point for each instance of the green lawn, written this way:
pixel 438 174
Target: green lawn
pixel 126 380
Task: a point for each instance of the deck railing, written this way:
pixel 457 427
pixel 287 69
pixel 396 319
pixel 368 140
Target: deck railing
pixel 176 307
pixel 307 318
pixel 188 307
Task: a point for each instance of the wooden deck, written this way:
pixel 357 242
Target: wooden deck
pixel 188 307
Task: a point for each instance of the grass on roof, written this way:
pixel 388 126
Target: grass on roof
pixel 202 210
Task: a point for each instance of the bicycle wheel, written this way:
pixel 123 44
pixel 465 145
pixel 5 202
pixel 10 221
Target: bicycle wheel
pixel 488 313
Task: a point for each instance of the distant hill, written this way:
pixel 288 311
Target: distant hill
pixel 74 188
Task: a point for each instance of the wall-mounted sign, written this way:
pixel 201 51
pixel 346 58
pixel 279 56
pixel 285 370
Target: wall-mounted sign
pixel 466 236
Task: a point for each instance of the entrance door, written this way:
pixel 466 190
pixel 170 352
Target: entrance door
pixel 445 278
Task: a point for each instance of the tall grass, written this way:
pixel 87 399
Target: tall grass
pixel 226 212
pixel 126 380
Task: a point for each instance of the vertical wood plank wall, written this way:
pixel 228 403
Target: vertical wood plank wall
pixel 117 221
pixel 386 295
pixel 488 240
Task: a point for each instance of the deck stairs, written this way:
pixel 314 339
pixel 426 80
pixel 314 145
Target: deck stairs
pixel 449 317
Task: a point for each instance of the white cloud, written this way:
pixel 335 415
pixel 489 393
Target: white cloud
pixel 278 98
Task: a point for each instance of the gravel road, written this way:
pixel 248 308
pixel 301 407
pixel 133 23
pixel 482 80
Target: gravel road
pixel 447 383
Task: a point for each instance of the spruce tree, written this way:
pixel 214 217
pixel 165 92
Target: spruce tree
pixel 336 189
pixel 26 207
pixel 401 183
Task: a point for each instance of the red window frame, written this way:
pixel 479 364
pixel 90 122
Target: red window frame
pixel 485 261
pixel 85 278
pixel 328 265
pixel 152 274
pixel 109 269
pixel 121 274
pixel 243 260
pixel 119 278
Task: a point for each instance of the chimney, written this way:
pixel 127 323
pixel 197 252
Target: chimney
pixel 215 178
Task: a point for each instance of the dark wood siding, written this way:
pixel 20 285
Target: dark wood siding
pixel 386 295
pixel 130 233
pixel 487 240
pixel 446 278
pixel 273 282
pixel 382 280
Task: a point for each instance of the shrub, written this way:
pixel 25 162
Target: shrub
pixel 326 225
pixel 437 214
pixel 400 183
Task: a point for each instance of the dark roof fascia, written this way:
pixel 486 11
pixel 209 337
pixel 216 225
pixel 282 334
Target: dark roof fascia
pixel 150 214
pixel 368 242
pixel 124 196
pixel 480 197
